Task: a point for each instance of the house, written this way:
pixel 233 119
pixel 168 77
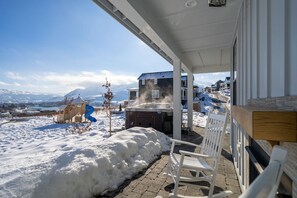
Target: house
pixel 158 86
pixel 226 84
pixel 207 89
pixel 213 87
pixel 217 85
pixel 133 94
pixel 255 41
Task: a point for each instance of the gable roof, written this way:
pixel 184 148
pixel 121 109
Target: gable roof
pixel 227 80
pixel 158 75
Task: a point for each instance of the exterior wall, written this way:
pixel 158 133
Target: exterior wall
pixel 132 95
pixel 266 58
pixel 163 85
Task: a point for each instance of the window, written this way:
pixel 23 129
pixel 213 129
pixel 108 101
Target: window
pixel 155 81
pixel 155 94
pixel 143 81
pixel 132 95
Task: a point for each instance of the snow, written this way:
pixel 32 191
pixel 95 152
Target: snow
pixel 42 159
pixel 199 119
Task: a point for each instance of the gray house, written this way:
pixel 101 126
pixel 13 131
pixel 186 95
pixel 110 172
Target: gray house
pixel 158 86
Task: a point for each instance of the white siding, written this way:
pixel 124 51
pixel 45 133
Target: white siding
pixel 267 44
pixel 267 60
pixel 276 48
pixel 291 47
pixel 262 44
pixel 254 48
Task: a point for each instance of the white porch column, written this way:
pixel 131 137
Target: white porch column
pixel 190 100
pixel 177 99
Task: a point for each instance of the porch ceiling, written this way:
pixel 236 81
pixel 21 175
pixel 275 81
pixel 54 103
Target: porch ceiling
pixel 200 37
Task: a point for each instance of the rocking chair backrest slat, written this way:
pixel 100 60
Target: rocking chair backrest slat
pixel 214 134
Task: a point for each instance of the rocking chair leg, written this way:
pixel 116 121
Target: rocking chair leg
pixel 211 188
pixel 176 184
pixel 177 177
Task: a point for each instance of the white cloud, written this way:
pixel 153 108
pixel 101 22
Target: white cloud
pixel 4 83
pixel 15 76
pixel 70 81
pixel 17 84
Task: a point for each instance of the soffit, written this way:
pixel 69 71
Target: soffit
pixel 201 37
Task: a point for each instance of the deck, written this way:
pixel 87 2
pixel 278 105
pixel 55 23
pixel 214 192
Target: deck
pixel 152 183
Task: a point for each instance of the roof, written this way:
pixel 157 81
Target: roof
pixel 158 75
pixel 227 80
pixel 200 36
pixel 219 81
pixel 133 89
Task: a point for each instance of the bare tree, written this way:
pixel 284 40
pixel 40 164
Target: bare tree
pixel 108 96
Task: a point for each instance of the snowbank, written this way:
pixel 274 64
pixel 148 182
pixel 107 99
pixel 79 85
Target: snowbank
pixel 102 167
pixel 42 159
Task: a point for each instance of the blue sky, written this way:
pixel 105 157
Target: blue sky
pixel 56 46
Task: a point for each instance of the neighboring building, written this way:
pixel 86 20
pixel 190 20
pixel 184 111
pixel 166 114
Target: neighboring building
pixel 218 85
pixel 213 88
pixel 133 94
pixel 195 91
pixel 226 83
pixel 207 89
pixel 158 86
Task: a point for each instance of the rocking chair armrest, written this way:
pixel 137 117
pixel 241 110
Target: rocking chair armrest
pixel 195 154
pixel 184 142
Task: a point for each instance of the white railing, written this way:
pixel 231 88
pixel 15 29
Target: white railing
pixel 239 141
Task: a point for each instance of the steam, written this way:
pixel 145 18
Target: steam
pixel 145 98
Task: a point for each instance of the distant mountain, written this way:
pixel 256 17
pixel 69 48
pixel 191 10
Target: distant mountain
pixel 95 94
pixel 7 96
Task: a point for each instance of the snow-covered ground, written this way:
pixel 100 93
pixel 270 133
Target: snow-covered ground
pixel 42 159
pixel 199 119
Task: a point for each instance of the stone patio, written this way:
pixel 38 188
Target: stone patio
pixel 152 183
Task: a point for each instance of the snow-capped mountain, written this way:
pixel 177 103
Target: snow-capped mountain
pixel 93 94
pixel 96 93
pixel 7 96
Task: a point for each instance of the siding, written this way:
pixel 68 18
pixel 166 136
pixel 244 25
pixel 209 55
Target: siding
pixel 267 59
pixel 163 85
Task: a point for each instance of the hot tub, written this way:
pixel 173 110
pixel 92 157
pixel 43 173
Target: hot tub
pixel 156 115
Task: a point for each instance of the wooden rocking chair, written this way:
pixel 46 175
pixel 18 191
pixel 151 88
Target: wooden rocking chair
pixel 205 163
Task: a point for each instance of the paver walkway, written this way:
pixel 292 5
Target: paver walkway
pixel 152 183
